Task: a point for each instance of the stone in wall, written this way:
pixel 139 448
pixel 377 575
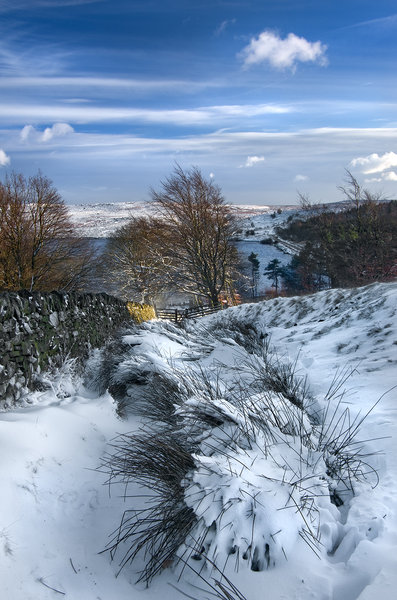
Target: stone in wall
pixel 39 331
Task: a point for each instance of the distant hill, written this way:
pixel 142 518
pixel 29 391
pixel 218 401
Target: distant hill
pixel 101 220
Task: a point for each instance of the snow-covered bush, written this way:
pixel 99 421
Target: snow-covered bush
pixel 238 461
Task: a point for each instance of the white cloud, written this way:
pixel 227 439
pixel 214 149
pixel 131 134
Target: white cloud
pixel 90 155
pixel 134 85
pixel 252 160
pixel 30 134
pixel 381 166
pixel 298 178
pixel 249 110
pixel 4 159
pixel 282 53
pixel 390 176
pixel 57 130
pixel 88 114
pixel 373 163
pixel 26 131
pixel 299 148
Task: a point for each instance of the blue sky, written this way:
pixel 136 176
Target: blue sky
pixel 105 96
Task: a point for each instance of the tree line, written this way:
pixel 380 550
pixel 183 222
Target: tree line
pixel 350 247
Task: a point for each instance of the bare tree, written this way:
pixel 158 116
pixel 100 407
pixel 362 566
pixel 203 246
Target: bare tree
pixel 304 201
pixel 197 228
pixel 38 245
pixel 352 191
pixel 135 260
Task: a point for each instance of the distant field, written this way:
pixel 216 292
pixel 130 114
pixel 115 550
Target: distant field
pixel 101 220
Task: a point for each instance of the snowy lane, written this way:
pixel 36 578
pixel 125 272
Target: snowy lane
pixel 55 513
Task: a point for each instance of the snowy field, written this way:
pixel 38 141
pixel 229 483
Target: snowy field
pixel 57 514
pixel 101 220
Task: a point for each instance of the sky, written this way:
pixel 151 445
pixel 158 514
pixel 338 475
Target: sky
pixel 267 98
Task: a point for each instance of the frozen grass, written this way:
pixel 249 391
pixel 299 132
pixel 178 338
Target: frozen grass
pixel 235 463
pixel 163 525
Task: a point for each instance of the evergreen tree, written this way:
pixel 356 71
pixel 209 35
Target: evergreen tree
pixel 253 259
pixel 274 271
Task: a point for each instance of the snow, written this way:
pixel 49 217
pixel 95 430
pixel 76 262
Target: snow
pixel 57 512
pixel 101 220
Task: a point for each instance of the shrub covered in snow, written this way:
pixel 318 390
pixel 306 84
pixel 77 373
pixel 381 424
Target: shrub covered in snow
pixel 237 459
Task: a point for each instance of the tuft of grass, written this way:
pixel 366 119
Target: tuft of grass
pixel 220 586
pixel 158 462
pixel 203 434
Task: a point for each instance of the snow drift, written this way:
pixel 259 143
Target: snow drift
pixel 233 445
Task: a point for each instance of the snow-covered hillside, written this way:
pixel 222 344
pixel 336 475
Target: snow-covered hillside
pixel 57 514
pixel 101 220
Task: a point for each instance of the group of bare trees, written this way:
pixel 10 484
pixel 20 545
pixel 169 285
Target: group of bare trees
pixel 39 249
pixel 186 247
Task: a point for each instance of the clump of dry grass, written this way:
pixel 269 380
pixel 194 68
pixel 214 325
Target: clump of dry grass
pixel 206 433
pixel 159 463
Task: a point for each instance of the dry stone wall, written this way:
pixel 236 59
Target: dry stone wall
pixel 38 331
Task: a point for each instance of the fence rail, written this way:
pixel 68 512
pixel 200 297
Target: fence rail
pixel 177 315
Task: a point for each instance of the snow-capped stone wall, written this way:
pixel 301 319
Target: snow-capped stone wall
pixel 38 331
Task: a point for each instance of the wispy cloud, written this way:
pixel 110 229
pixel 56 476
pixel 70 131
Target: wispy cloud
pixel 223 26
pixel 251 161
pixel 88 114
pixel 390 20
pixel 300 145
pixel 4 159
pixel 251 110
pixel 11 5
pixel 17 59
pixel 26 132
pixel 299 178
pixel 188 86
pixel 280 53
pixel 91 155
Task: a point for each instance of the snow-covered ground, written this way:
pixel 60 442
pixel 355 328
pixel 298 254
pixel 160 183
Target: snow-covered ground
pixel 101 220
pixel 57 513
